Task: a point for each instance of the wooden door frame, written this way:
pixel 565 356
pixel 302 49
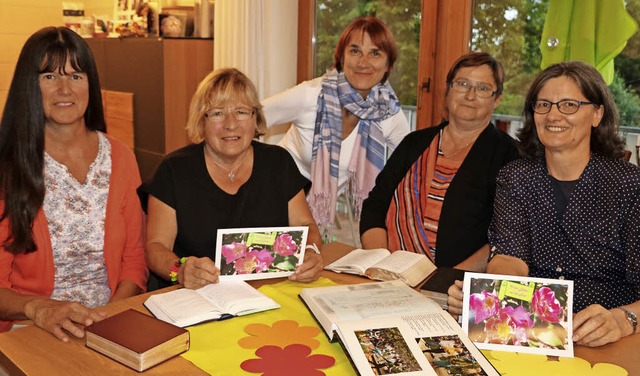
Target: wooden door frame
pixel 445 32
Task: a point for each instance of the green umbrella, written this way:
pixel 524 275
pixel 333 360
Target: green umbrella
pixel 593 31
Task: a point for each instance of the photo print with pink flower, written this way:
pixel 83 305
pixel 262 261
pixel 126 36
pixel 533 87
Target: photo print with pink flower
pixel 518 314
pixel 260 252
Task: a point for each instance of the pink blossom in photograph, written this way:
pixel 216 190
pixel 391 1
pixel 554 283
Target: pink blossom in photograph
pixel 518 315
pixel 263 259
pixel 509 325
pixel 284 245
pixel 545 305
pixel 484 305
pixel 247 264
pixel 233 251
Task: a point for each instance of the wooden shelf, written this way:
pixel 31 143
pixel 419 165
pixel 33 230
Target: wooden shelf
pixel 162 74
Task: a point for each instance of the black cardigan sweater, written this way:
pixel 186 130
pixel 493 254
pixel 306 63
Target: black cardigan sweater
pixel 468 205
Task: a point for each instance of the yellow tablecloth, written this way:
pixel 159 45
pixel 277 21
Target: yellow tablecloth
pixel 215 347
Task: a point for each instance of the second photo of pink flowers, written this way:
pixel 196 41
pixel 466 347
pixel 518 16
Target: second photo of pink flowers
pixel 519 314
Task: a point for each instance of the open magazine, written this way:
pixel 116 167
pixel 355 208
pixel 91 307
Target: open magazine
pixel 260 252
pixel 518 314
pixel 389 328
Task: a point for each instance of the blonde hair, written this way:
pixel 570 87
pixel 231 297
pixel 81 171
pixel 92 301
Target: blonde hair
pixel 219 87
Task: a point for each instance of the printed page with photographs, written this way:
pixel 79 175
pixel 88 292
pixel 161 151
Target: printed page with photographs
pixel 389 328
pixel 518 314
pixel 259 252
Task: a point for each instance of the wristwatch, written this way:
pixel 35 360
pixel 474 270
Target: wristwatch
pixel 632 318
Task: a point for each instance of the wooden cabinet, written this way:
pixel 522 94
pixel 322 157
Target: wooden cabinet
pixel 162 74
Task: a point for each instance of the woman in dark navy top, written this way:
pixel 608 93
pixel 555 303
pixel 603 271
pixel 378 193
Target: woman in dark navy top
pixel 571 208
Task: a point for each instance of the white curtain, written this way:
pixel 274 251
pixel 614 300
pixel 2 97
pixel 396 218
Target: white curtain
pixel 259 37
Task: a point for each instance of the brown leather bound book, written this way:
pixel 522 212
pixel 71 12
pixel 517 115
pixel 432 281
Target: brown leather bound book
pixel 137 340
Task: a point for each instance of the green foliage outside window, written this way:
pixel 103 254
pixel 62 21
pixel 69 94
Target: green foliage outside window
pixel 508 29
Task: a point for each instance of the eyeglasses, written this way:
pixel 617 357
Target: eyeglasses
pixel 218 115
pixel 481 90
pixel 567 106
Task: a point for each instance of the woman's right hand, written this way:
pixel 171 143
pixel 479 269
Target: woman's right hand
pixel 454 300
pixel 198 272
pixel 54 316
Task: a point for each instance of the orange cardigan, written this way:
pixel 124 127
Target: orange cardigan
pixel 124 238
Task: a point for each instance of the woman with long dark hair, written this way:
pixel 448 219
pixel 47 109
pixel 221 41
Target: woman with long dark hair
pixel 71 225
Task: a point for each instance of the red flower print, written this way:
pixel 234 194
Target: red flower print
pixel 292 360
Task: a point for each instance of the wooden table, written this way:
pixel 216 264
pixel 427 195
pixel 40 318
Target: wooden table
pixel 32 351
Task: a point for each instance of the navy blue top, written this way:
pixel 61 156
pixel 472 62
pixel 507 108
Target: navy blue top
pixel 595 243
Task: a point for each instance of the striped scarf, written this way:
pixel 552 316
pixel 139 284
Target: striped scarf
pixel 368 158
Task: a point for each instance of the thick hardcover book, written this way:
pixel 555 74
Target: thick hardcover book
pixel 216 301
pixel 136 339
pixel 389 328
pixel 382 265
pixel 437 286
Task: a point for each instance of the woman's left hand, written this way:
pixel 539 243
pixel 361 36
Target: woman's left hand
pixel 310 269
pixel 597 326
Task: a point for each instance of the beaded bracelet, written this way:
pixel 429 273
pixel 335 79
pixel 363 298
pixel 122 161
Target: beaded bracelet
pixel 173 272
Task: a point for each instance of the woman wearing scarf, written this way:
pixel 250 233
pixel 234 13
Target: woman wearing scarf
pixel 435 194
pixel 344 121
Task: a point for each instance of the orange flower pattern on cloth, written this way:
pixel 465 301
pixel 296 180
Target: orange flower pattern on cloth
pixel 292 360
pixel 282 334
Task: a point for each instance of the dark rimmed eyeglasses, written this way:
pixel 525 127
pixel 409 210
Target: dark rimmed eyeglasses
pixel 481 90
pixel 567 106
pixel 218 115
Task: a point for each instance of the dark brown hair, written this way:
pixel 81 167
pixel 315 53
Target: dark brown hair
pixel 22 128
pixel 380 36
pixel 476 59
pixel 605 138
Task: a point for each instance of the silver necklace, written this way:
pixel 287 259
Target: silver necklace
pixel 450 155
pixel 231 175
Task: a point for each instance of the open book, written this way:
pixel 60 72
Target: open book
pixel 389 328
pixel 216 301
pixel 382 265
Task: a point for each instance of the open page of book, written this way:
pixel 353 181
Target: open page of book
pixel 417 344
pixel 410 267
pixel 237 298
pixel 518 314
pixel 363 301
pixel 259 252
pixel 184 307
pixel 357 261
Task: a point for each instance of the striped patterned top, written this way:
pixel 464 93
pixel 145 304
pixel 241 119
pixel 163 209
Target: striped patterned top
pixel 445 170
pixel 414 211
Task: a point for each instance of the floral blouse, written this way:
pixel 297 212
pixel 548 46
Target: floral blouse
pixel 76 215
